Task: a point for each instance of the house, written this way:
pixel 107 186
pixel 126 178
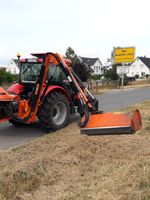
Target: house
pixel 13 66
pixel 107 65
pixel 140 67
pixel 95 64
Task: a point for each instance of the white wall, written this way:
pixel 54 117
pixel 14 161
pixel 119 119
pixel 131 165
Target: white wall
pixel 138 68
pixel 97 67
pixel 12 68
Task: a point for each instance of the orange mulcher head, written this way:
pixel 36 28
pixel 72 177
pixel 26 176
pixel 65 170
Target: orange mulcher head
pixel 112 123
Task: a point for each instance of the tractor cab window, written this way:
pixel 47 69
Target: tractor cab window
pixel 29 72
pixel 56 72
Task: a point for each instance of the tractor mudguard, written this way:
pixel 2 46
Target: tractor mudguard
pixel 15 88
pixel 57 88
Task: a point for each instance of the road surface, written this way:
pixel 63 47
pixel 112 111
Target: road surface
pixel 11 136
pixel 118 99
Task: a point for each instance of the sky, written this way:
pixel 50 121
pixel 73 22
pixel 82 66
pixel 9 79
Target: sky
pixel 91 27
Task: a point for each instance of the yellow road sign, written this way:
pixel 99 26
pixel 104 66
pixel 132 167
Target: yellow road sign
pixel 124 55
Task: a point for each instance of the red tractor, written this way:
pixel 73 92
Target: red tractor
pixel 50 90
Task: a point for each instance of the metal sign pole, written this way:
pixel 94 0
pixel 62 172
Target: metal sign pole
pixel 122 84
pixel 122 76
pixel 123 55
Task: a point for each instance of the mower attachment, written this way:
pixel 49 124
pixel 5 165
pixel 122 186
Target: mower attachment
pixel 112 123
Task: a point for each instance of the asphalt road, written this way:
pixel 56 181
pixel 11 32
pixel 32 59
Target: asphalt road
pixel 118 99
pixel 11 136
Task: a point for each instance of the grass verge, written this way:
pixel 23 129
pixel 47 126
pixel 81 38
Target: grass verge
pixel 69 166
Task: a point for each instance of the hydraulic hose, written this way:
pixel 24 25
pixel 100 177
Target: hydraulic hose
pixel 84 118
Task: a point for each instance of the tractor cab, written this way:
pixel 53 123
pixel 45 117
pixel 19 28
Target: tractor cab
pixel 29 70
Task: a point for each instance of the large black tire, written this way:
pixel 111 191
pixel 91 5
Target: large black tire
pixel 54 112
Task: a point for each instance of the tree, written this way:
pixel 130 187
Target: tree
pixel 70 54
pixel 6 76
pixel 3 74
pixel 111 74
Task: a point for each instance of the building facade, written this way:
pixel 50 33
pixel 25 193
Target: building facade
pixel 13 66
pixel 140 67
pixel 95 64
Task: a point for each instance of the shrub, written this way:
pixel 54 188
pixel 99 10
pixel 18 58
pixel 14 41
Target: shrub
pixel 6 77
pixel 136 76
pixel 111 74
pixel 96 77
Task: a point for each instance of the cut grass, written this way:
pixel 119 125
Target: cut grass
pixel 68 166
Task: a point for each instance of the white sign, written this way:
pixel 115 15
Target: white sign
pixel 122 70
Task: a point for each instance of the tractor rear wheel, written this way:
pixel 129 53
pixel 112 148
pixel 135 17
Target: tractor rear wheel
pixel 54 112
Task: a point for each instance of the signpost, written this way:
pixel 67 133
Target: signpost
pixel 123 56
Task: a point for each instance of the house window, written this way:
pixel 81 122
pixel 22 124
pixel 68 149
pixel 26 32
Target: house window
pixel 97 69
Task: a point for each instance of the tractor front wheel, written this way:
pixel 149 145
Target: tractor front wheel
pixel 54 112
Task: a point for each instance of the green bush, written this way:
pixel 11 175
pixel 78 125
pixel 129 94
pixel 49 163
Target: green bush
pixel 111 74
pixel 96 77
pixel 136 76
pixel 125 80
pixel 6 77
